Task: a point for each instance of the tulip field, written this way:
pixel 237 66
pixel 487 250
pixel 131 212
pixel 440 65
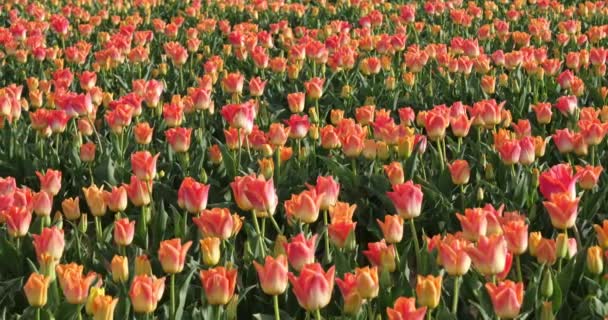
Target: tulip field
pixel 272 159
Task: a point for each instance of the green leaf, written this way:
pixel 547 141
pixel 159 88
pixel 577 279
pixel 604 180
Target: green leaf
pixel 68 311
pixel 183 291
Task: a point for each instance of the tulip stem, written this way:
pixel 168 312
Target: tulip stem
pixel 257 230
pixel 240 147
pixel 326 221
pixel 98 229
pixel 173 296
pixel 318 314
pixel 456 293
pixel 370 310
pixel 520 278
pixel 37 313
pixel 275 225
pixel 416 243
pixel 275 300
pixel 440 151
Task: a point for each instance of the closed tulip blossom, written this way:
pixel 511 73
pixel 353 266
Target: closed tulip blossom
pixel 558 179
pixel 489 256
pixel 216 222
pixel 218 284
pixel 116 199
pixel 143 165
pixel 381 255
pixel 301 251
pixel 454 257
pixel 407 198
pixel 192 195
pixel 172 255
pixel 273 275
pixel 392 228
pixel 36 289
pixel 313 287
pixel 145 293
pixel 562 210
pixel 124 231
pixel 428 290
pixel 304 206
pixel 507 298
pixel 350 294
pixel 460 172
pixel 405 309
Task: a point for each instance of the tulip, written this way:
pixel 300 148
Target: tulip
pixel 179 139
pixel 516 235
pixel 298 126
pixel 304 206
pixel 139 192
pixel 172 255
pixel 218 284
pixel 350 294
pixel 392 228
pixel 435 124
pixel 143 165
pixel 546 251
pixel 460 172
pixel 562 210
pixel 240 116
pixel 116 199
pixel 216 222
pixel 394 172
pixel 507 298
pixel 17 220
pixel 407 199
pixel 75 286
pixel 142 132
pixel 329 189
pixel 71 208
pixel 474 223
pixel 601 232
pixel 103 307
pixel 210 249
pixel 595 262
pixel 341 234
pixel 490 255
pixel 588 176
pixel 145 293
pixel 120 269
pixel 273 275
pixel 313 287
pixel 50 241
pixel 50 182
pixel 142 265
pixel 94 197
pixel 124 231
pixel 367 282
pixel 381 255
pixel 192 195
pixel 36 289
pixel 453 256
pixel 300 251
pixel 428 290
pixel 314 88
pixel 93 293
pixel 558 179
pixel 405 309
pixel 87 152
pixel 233 83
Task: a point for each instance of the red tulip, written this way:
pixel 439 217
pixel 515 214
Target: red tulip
pixel 558 179
pixel 562 210
pixel 350 294
pixel 381 255
pixel 564 140
pixel 460 172
pixel 124 231
pixel 217 222
pixel 340 232
pixel 42 203
pixel 192 195
pixel 301 251
pixel 17 220
pixel 298 126
pixel 116 199
pixel 240 116
pixel 50 182
pixel 313 287
pixel 139 192
pixel 233 83
pixel 179 138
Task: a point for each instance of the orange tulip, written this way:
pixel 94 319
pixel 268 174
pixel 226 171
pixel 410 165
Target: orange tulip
pixel 589 176
pixel 313 287
pixel 216 222
pixel 367 282
pixel 139 191
pixel 142 265
pixel 595 260
pixel 71 208
pixel 546 251
pixel 507 298
pixel 329 189
pixel 394 172
pixel 172 255
pixel 428 290
pixel 304 206
pixel 120 269
pixel 210 249
pixel 219 284
pixel 405 309
pixel 453 256
pixel 36 289
pixel 340 232
pixel 143 165
pixel 42 203
pixel 103 307
pixel 75 286
pixel 474 223
pixel 145 293
pixel 516 234
pixel 392 228
pixel 562 210
pixel 601 232
pixel 273 275
pixel 94 197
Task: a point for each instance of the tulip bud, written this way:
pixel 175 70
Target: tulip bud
pixel 595 263
pixel 489 171
pixel 120 269
pixel 36 289
pixel 480 194
pixel 546 287
pixel 210 248
pixel 561 245
pixel 231 308
pixel 83 225
pixel 428 290
pixel 142 265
